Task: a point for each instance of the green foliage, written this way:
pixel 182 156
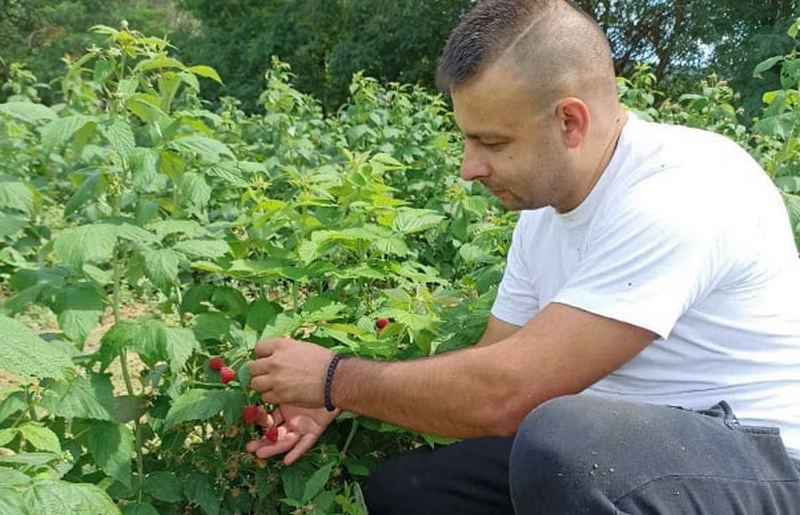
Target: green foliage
pixel 283 222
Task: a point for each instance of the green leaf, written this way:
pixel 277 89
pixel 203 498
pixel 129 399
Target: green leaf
pixel 211 326
pixel 260 313
pixel 317 481
pixel 144 169
pixel 79 309
pixel 89 397
pixel 766 65
pixel 111 445
pixel 15 194
pixel 208 149
pixel 199 490
pixel 129 407
pixel 14 402
pixel 89 189
pixel 24 353
pixel 416 220
pixel 164 486
pixel 11 224
pixel 119 134
pixel 68 499
pixel 11 477
pixel 206 71
pixel 180 345
pixel 58 132
pixel 161 267
pixel 11 500
pixel 139 508
pixel 147 336
pixel 199 404
pixel 195 190
pixel 28 111
pixel 85 244
pixel 164 228
pixel 40 437
pixel 211 249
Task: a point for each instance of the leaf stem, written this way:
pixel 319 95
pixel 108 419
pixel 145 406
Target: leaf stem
pixel 350 436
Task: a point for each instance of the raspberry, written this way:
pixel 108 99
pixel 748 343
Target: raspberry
pixel 226 375
pixel 271 434
pixel 381 323
pixel 251 414
pixel 261 463
pixel 216 363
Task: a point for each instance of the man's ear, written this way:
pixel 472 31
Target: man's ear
pixel 573 117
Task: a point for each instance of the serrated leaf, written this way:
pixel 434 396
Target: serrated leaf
pixel 180 345
pixel 161 267
pixel 164 228
pixel 211 249
pixel 88 190
pixel 13 403
pixel 68 499
pixel 40 437
pixel 24 353
pixel 416 220
pixel 195 191
pixel 16 195
pixel 11 224
pixel 199 404
pixel 206 71
pixel 111 445
pixel 28 111
pixel 84 397
pixel 147 336
pixel 317 481
pixel 11 477
pixel 79 309
pixel 11 500
pixel 211 326
pixel 164 486
pixel 85 244
pixel 139 508
pixel 56 133
pixel 199 490
pixel 143 164
pixel 120 136
pixel 208 149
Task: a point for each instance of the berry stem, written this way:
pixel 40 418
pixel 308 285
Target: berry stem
pixel 350 437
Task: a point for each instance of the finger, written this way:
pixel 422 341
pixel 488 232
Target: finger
pixel 284 438
pixel 286 441
pixel 259 367
pixel 306 442
pixel 266 348
pixel 261 384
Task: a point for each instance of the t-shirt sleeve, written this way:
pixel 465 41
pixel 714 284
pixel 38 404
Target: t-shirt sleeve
pixel 650 258
pixel 517 300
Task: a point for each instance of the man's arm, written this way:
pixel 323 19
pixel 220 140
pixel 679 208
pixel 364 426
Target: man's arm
pixel 495 331
pixel 488 390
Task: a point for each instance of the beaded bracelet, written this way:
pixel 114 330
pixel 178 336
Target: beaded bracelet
pixel 329 381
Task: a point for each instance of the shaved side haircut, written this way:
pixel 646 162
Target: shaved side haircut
pixel 553 44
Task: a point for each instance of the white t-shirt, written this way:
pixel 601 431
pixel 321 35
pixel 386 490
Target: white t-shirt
pixel 685 235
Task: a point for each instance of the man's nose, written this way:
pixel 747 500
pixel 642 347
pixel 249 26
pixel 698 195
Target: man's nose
pixel 472 165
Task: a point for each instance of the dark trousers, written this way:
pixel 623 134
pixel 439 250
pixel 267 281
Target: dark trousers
pixel 591 455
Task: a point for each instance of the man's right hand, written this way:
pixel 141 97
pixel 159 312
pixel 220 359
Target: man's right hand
pixel 298 430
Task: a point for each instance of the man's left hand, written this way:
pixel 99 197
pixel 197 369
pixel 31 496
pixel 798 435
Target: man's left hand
pixel 288 371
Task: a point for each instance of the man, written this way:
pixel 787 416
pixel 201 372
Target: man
pixel 650 299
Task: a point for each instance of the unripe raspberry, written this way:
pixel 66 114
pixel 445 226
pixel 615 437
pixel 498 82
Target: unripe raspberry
pixel 216 363
pixel 251 414
pixel 226 375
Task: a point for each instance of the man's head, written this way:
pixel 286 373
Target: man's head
pixel 534 92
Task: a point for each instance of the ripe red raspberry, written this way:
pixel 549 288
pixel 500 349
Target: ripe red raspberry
pixel 251 414
pixel 381 323
pixel 216 363
pixel 271 434
pixel 226 375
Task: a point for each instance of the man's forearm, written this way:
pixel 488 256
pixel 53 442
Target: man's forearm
pixel 456 394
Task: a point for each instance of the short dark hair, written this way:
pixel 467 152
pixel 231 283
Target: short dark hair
pixel 490 29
